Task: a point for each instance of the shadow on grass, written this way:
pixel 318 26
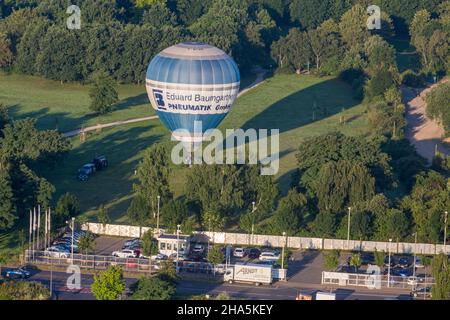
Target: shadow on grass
pixel 304 107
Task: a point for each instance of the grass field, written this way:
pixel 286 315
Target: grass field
pixel 66 106
pixel 300 106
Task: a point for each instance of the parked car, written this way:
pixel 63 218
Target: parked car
pixel 86 171
pixel 425 292
pixel 367 258
pixel 269 256
pixel 124 254
pixel 386 261
pixel 404 262
pixel 254 253
pixel 19 273
pixel 415 280
pixel 131 242
pixel 55 252
pixel 100 162
pixel 404 273
pixel 239 253
pixel 419 263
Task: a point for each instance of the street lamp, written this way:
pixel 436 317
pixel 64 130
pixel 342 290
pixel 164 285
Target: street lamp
pixel 282 252
pixel 389 264
pixel 253 219
pixel 445 231
pixel 348 226
pixel 415 248
pixel 178 243
pixel 157 217
pixel 72 226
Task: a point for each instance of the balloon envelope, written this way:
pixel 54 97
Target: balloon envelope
pixel 192 82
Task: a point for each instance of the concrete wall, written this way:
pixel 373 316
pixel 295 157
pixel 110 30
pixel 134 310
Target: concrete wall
pixel 278 241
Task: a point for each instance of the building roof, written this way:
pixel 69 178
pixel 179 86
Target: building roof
pixel 173 237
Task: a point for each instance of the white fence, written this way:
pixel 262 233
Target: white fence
pixel 279 241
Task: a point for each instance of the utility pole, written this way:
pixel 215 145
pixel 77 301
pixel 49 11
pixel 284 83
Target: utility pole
pixel 30 232
pixel 348 226
pixel 38 226
pixel 445 231
pixel 389 264
pixel 157 217
pixel 282 253
pixel 178 244
pixel 415 248
pixel 253 220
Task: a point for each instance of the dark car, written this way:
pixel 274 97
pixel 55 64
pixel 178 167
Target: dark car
pixel 254 253
pixel 19 273
pixel 86 171
pixel 367 258
pixel 402 272
pixel 100 162
pixel 386 261
pixel 404 262
pixel 424 293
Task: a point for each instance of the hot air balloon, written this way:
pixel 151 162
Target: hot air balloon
pixel 192 83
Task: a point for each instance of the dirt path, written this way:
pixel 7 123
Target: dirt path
pixel 260 74
pixel 425 134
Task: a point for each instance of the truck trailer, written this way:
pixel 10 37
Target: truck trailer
pixel 249 273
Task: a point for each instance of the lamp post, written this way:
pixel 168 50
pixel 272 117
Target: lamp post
pixel 282 252
pixel 445 231
pixel 348 226
pixel 389 264
pixel 415 248
pixel 178 244
pixel 72 226
pixel 253 220
pixel 157 217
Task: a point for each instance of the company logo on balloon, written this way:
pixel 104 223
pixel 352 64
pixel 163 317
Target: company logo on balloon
pixel 159 98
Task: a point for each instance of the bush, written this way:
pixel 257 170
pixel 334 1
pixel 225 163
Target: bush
pixel 153 289
pixel 20 290
pixel 331 259
pixel 411 79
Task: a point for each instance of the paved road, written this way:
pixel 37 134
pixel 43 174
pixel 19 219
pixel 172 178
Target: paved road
pixel 278 291
pixel 260 74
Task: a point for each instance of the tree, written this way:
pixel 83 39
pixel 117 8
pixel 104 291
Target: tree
pixel 167 271
pixel 149 244
pixel 6 55
pixel 86 243
pixel 291 212
pixel 215 255
pixel 153 288
pixel 437 105
pixel 7 206
pixel 109 284
pixel 355 261
pixel 102 215
pixel 174 213
pixel 441 273
pixel 428 200
pixel 324 224
pixel 379 258
pixel 103 94
pixel 139 213
pixel 67 206
pixel 353 27
pixel 153 175
pixel 331 259
pixel 342 184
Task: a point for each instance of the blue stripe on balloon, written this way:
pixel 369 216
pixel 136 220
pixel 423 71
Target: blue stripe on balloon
pixel 221 71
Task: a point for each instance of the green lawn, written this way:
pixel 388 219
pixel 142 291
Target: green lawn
pixel 66 106
pixel 285 102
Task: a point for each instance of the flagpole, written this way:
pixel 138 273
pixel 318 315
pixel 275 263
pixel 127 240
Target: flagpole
pixel 45 229
pixel 38 226
pixel 30 232
pixel 49 225
pixel 34 230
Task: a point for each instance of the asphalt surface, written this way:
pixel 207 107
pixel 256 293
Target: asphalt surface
pixel 277 291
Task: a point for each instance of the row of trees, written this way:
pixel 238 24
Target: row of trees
pixel 22 149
